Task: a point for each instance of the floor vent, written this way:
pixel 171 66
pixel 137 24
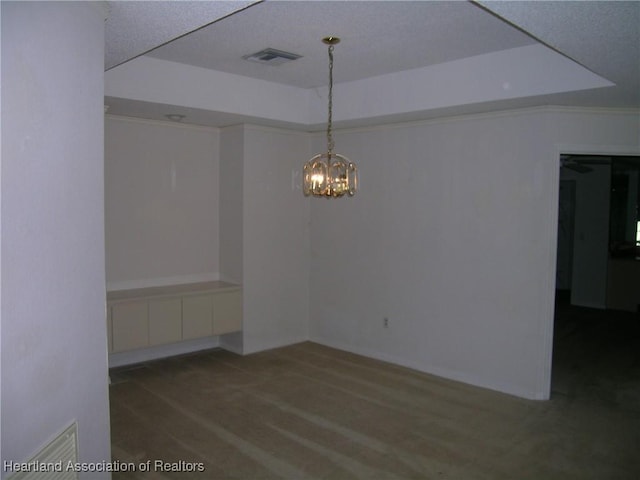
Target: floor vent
pixel 55 461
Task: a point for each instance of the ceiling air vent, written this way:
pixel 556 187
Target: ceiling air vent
pixel 271 56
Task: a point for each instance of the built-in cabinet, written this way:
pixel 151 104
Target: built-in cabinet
pixel 148 317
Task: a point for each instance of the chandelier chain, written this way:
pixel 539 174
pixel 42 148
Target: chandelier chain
pixel 330 175
pixel 330 143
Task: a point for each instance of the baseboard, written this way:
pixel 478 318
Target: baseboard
pixel 232 342
pixel 431 370
pixel 595 305
pixel 261 347
pixel 161 351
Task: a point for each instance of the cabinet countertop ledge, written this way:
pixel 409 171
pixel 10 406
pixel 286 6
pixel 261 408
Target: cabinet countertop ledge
pixel 171 290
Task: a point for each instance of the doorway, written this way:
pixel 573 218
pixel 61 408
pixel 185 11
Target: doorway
pixel 595 354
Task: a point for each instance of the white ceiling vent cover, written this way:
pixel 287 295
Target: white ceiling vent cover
pixel 271 56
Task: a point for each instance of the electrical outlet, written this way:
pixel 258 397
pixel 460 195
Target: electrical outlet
pixel 385 322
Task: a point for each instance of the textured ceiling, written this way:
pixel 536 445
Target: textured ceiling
pixel 135 27
pixel 379 37
pixel 602 36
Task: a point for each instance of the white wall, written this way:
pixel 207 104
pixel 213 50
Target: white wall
pixel 452 237
pixel 593 132
pixel 153 80
pixel 231 218
pixel 275 239
pixel 161 195
pixel 184 203
pixel 54 345
pixel 519 72
pixel 231 195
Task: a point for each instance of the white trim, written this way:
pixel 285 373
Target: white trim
pixel 225 345
pixel 452 375
pixel 161 123
pixel 313 130
pixel 548 326
pixel 274 129
pixel 262 347
pixel 483 116
pixel 547 323
pixel 585 149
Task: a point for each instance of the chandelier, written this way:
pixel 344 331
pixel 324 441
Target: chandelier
pixel 330 174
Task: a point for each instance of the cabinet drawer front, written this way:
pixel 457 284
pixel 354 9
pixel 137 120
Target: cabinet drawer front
pixel 129 326
pixel 227 312
pixel 170 315
pixel 165 321
pixel 197 316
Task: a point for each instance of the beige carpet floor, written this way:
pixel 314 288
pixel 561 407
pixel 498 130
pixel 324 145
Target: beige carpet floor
pixel 311 412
